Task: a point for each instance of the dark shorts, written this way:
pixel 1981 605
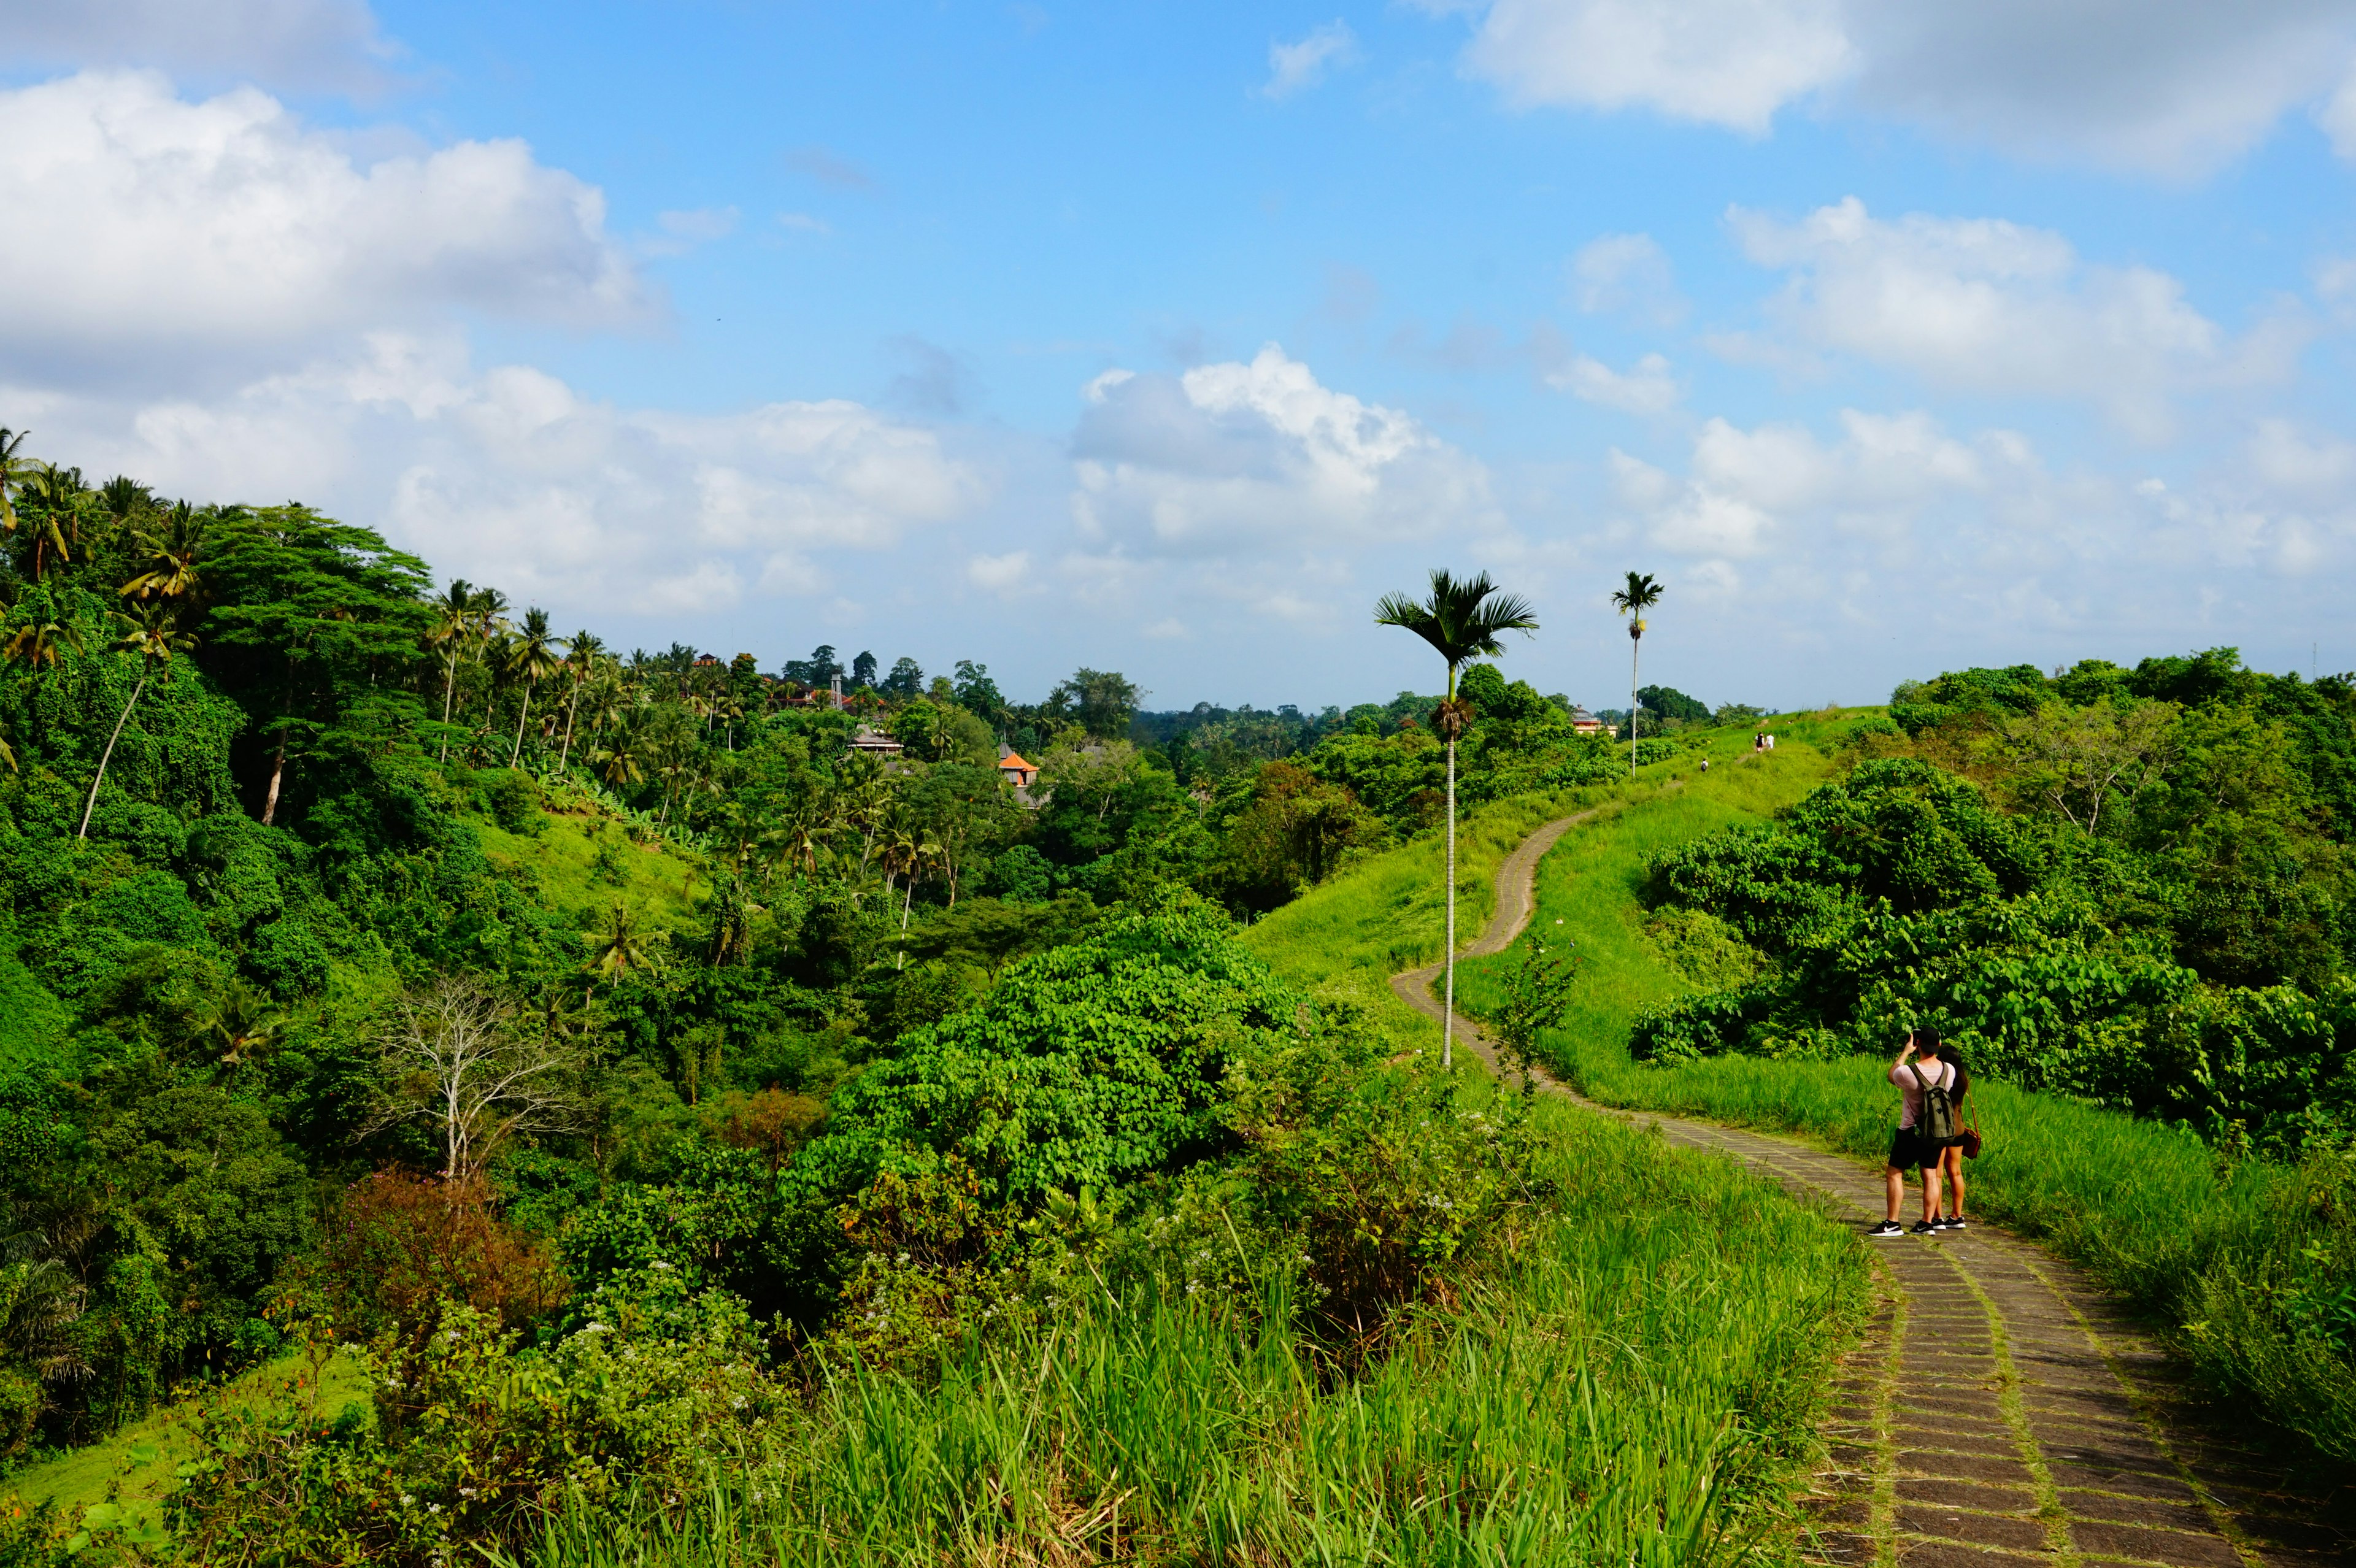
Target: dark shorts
pixel 1910 1150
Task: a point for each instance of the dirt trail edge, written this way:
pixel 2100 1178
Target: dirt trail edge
pixel 2002 1408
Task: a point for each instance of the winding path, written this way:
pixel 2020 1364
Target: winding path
pixel 2002 1410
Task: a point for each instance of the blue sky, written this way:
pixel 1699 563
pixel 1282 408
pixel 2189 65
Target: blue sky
pixel 1167 338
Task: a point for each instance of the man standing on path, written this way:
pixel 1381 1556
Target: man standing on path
pixel 1912 1148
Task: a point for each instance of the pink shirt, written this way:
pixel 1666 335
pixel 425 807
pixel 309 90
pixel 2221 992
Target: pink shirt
pixel 1942 1074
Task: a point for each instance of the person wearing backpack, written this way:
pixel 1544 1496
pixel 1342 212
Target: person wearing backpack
pixel 1926 1121
pixel 1963 1145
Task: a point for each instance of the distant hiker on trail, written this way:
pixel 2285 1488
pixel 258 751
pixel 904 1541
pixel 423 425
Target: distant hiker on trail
pixel 1925 1122
pixel 1758 741
pixel 1951 1159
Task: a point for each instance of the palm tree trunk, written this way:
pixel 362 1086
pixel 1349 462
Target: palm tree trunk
pixel 449 695
pixel 519 723
pixel 1635 643
pixel 107 755
pixel 1448 1013
pixel 904 904
pixel 571 709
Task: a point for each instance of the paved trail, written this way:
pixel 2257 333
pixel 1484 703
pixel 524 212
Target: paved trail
pixel 2002 1409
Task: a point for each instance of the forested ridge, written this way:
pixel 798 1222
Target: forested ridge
pixel 639 1089
pixel 2133 886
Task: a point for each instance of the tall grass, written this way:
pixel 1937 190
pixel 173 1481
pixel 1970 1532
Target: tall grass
pixel 2210 1248
pixel 1630 1391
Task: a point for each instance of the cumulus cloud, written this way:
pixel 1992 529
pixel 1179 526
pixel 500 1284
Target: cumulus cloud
pixel 1985 305
pixel 300 44
pixel 1725 62
pixel 1648 387
pixel 1296 67
pixel 1256 458
pixel 510 475
pixel 2168 89
pixel 1746 492
pixel 151 228
pixel 1625 274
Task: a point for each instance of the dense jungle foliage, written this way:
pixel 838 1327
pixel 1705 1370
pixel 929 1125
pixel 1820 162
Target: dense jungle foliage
pixel 2132 886
pixel 383 969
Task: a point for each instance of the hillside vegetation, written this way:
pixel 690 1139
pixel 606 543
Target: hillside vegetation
pixel 666 1116
pixel 1764 950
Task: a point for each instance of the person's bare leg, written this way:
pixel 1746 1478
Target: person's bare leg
pixel 1896 1180
pixel 1929 1192
pixel 1953 1159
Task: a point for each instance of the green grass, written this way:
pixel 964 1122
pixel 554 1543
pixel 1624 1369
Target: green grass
pixel 2202 1245
pixel 134 1466
pixel 655 880
pixel 1633 1391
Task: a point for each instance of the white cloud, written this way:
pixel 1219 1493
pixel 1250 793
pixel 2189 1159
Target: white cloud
pixel 1986 305
pixel 1296 67
pixel 683 232
pixel 1747 493
pixel 1259 458
pixel 508 476
pixel 2170 90
pixel 147 228
pixel 280 43
pixel 1724 62
pixel 1626 274
pixel 803 223
pixel 1646 387
pixel 1000 573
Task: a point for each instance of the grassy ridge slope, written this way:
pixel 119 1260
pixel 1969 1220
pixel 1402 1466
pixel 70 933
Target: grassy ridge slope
pixel 1771 1328
pixel 2207 1247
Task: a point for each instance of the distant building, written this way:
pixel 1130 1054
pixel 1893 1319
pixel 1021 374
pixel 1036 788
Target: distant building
pixel 874 743
pixel 1585 723
pixel 1014 770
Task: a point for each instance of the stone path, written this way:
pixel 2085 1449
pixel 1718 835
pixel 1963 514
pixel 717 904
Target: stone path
pixel 2002 1410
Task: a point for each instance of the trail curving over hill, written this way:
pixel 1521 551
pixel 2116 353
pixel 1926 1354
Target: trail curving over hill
pixel 2002 1410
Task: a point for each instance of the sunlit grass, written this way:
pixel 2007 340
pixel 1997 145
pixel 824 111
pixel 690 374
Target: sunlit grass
pixel 1633 1390
pixel 2199 1242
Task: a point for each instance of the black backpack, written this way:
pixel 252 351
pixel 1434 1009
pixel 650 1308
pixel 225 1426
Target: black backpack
pixel 1936 1122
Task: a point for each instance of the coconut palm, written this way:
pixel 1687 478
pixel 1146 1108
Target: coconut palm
pixel 447 633
pixel 56 495
pixel 36 642
pixel 533 657
pixel 151 631
pixel 171 553
pixel 622 947
pixel 581 652
pixel 12 471
pixel 1462 621
pixel 247 1023
pixel 1640 595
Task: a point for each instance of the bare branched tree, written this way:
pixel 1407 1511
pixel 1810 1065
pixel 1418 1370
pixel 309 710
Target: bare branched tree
pixel 2075 760
pixel 452 1055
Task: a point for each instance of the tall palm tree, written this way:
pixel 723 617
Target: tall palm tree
pixel 171 552
pixel 1461 620
pixel 57 492
pixel 487 635
pixel 36 643
pixel 153 632
pixel 1640 595
pixel 533 655
pixel 582 652
pixel 447 633
pixel 12 469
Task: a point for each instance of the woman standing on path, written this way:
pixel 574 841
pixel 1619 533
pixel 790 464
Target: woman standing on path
pixel 1911 1149
pixel 1951 1159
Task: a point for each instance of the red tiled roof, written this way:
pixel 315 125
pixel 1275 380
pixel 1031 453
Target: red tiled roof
pixel 1014 759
